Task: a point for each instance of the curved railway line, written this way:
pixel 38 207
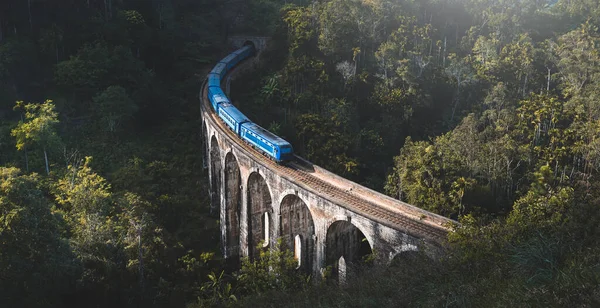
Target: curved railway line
pixel 352 196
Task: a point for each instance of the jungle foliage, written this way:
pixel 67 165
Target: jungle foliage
pixel 116 81
pixel 483 111
pixel 486 111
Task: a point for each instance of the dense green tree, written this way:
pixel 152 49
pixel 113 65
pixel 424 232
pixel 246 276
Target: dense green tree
pixel 95 67
pixel 36 262
pixel 113 106
pixel 275 269
pixel 324 145
pixel 38 128
pixel 17 59
pixel 499 100
pixel 86 203
pixel 142 241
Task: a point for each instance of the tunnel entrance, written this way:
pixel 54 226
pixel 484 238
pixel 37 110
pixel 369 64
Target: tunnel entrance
pixel 233 206
pixel 346 248
pixel 215 178
pixel 260 215
pixel 254 47
pixel 297 231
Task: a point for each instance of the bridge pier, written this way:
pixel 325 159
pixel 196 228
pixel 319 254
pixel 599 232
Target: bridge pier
pixel 244 251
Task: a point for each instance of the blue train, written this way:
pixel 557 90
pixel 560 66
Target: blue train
pixel 263 140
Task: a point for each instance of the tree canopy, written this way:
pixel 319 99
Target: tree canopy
pixel 485 111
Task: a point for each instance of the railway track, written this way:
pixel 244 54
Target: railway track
pixel 361 205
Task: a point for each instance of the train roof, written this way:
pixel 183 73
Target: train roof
pixel 239 51
pixel 266 134
pixel 214 80
pixel 229 58
pixel 237 115
pixel 217 95
pixel 215 90
pixel 218 98
pixel 218 68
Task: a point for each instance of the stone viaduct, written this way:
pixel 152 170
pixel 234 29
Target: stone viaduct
pixel 324 219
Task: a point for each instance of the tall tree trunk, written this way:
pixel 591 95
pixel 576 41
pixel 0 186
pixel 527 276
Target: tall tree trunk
pixel 430 46
pixel 444 54
pixel 29 10
pixel 140 260
pixel 105 11
pixel 456 35
pixel 548 84
pixel 525 85
pixel 25 151
pixel 400 187
pixel 385 74
pixel 455 104
pixel 46 159
pixel 160 20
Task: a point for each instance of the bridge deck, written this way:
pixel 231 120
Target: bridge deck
pixel 350 195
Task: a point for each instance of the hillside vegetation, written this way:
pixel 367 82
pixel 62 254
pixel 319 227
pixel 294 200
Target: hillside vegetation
pixel 103 200
pixel 485 111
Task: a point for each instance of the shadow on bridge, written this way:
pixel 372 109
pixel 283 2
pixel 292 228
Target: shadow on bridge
pixel 347 247
pixel 304 165
pixel 233 206
pixel 297 230
pixel 260 215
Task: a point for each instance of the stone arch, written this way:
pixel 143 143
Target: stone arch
pixel 345 244
pixel 204 144
pixel 406 258
pixel 297 229
pixel 233 207
pixel 251 43
pixel 260 214
pixel 215 174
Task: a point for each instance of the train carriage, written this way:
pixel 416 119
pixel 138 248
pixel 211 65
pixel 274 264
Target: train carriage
pixel 244 52
pixel 214 80
pixel 231 60
pixel 232 116
pixel 267 142
pixel 220 69
pixel 216 97
pixel 263 140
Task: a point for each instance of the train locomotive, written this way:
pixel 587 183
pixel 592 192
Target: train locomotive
pixel 261 139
